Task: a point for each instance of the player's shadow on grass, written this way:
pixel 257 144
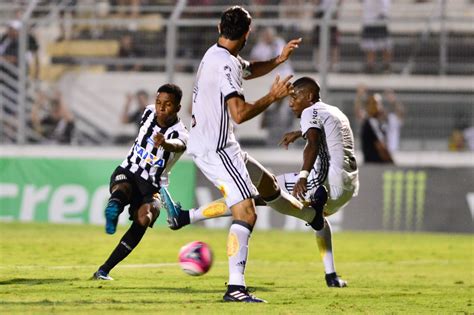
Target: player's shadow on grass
pixel 25 281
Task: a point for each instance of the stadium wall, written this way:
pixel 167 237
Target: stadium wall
pixel 428 191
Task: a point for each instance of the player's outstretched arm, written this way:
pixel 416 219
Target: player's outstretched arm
pixel 259 68
pixel 171 145
pixel 289 137
pixel 241 111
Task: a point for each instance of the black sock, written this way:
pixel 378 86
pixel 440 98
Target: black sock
pixel 119 196
pixel 129 241
pixel 184 218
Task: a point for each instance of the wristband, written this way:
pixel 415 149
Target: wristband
pixel 303 174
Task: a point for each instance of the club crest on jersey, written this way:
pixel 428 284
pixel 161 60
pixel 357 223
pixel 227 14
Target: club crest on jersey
pixel 148 157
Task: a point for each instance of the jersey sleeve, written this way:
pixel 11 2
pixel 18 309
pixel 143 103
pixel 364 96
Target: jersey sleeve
pixel 310 119
pixel 181 133
pixel 246 71
pixel 231 80
pixel 148 111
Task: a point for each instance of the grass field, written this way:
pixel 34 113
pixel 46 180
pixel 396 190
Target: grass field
pixel 45 269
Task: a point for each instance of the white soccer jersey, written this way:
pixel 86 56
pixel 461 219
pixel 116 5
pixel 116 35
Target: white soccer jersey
pixel 336 160
pixel 219 77
pixel 151 163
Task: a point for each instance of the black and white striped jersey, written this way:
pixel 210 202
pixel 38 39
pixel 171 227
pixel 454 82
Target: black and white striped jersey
pixel 151 163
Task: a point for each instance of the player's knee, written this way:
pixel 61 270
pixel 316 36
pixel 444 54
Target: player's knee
pixel 252 219
pixel 143 220
pixel 146 215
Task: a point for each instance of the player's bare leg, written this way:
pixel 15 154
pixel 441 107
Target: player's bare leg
pixel 324 240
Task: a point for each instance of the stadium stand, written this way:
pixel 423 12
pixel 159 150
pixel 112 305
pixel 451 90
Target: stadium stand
pixel 431 71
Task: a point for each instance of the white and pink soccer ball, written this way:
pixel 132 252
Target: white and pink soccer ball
pixel 195 258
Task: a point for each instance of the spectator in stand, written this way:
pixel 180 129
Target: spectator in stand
pixel 375 34
pixel 323 6
pixel 373 138
pixel 390 120
pixel 394 120
pixel 9 50
pixel 302 12
pixel 134 116
pixel 277 119
pixel 456 141
pixel 128 50
pixel 51 119
pixel 129 8
pixel 469 137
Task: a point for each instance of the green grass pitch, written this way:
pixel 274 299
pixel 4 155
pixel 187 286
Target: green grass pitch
pixel 45 269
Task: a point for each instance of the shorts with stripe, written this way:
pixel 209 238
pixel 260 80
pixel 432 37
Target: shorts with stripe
pixel 228 173
pixel 344 195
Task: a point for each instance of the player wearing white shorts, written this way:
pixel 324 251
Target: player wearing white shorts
pixel 217 103
pixel 329 166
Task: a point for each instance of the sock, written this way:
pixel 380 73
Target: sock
pixel 324 240
pixel 120 197
pixel 289 205
pixel 237 251
pixel 217 208
pixel 129 241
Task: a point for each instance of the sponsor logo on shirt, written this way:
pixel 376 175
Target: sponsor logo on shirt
pixel 227 71
pixel 148 157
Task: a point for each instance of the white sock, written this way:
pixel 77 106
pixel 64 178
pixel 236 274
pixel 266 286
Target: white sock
pixel 215 209
pixel 324 240
pixel 237 251
pixel 289 205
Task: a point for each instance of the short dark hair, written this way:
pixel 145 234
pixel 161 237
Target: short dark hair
pixel 309 84
pixel 235 22
pixel 172 89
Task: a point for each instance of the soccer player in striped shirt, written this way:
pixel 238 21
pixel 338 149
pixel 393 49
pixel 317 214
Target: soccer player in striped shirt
pixel 161 140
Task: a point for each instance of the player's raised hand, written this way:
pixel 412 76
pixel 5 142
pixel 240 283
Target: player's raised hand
pixel 158 139
pixel 281 88
pixel 288 49
pixel 288 138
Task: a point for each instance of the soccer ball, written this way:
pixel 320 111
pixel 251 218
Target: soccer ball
pixel 195 258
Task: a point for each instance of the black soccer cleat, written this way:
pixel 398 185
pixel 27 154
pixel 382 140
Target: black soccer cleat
pixel 333 281
pixel 237 293
pixel 318 201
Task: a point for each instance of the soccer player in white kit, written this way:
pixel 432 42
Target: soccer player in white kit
pixel 329 168
pixel 328 162
pixel 217 97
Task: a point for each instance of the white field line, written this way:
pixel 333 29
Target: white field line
pixel 264 262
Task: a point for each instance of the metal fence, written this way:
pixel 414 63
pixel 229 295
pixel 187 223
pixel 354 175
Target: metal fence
pixel 430 39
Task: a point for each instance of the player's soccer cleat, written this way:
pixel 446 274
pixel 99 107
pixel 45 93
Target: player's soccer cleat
pixel 112 212
pixel 101 275
pixel 240 294
pixel 173 209
pixel 333 281
pixel 318 201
